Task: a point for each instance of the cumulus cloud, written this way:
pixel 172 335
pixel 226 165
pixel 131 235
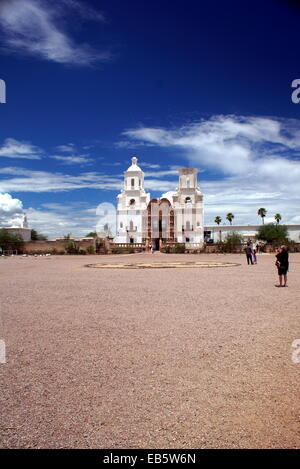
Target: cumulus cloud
pixel 256 160
pixel 13 148
pixel 33 27
pixel 11 211
pixel 77 218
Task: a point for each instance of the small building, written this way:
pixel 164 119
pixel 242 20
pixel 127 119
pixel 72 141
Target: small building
pixel 218 233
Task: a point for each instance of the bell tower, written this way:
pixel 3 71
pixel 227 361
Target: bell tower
pixel 132 204
pixel 188 204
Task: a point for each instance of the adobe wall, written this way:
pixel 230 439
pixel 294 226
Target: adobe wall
pixel 32 247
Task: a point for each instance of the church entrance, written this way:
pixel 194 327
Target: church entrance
pixel 156 244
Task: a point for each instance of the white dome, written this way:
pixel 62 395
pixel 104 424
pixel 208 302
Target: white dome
pixel 134 166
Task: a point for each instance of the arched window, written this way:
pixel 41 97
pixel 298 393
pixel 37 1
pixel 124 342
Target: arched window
pixel 132 202
pixel 121 224
pixel 131 225
pixel 188 183
pixel 188 200
pixel 188 226
pixel 132 182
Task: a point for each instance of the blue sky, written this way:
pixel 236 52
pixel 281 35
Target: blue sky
pixel 201 84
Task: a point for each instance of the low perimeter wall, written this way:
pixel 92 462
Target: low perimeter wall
pixel 33 247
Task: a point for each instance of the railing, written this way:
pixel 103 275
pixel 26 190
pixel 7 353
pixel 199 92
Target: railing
pixel 193 245
pixel 127 245
pixel 131 229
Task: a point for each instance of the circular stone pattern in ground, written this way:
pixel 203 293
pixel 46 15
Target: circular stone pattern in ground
pixel 162 265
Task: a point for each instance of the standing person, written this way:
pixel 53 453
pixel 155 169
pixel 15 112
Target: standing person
pixel 254 256
pixel 248 251
pixel 282 264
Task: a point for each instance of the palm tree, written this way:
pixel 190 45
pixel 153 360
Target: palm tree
pixel 277 218
pixel 218 221
pixel 230 217
pixel 262 213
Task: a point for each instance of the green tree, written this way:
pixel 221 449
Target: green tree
pixel 10 241
pixel 230 217
pixel 262 213
pixel 272 233
pixel 35 236
pixel 277 217
pixel 92 234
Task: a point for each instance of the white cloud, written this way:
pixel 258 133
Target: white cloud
pixel 58 220
pixel 33 27
pixel 26 180
pixel 15 149
pixel 75 159
pixel 11 211
pixel 256 159
pixel 69 148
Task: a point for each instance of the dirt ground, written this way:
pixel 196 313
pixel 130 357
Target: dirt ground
pixel 148 358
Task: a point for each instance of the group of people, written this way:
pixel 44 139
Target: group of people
pixel 251 254
pixel 282 262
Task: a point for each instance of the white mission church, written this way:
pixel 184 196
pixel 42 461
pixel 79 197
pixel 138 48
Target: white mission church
pixel 177 217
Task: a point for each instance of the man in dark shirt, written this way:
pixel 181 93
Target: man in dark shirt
pixel 248 251
pixel 282 264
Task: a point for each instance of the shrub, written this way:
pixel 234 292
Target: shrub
pixel 71 247
pixel 90 250
pixel 179 249
pixel 232 241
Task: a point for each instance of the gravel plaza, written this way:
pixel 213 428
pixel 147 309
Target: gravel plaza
pixel 148 358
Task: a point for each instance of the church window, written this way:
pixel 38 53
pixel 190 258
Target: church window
pixel 132 182
pixel 188 200
pixel 132 202
pixel 131 225
pixel 188 183
pixel 121 224
pixel 188 226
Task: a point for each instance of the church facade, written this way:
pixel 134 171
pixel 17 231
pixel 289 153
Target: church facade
pixel 178 216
